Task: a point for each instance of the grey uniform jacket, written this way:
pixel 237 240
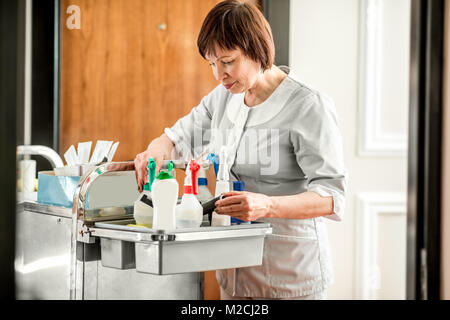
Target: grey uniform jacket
pixel 288 144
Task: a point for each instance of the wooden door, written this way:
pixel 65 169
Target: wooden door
pixel 131 70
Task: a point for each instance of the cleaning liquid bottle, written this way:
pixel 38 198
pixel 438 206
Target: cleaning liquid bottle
pixel 222 185
pixel 143 206
pixel 238 186
pixel 164 196
pixel 189 213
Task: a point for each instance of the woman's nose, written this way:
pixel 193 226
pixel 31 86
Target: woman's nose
pixel 220 74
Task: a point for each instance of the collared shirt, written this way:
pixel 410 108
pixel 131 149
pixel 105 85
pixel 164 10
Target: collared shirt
pixel 286 145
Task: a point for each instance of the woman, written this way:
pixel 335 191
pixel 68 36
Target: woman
pixel 259 106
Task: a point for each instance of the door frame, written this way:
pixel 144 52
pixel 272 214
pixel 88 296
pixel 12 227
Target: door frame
pixel 12 48
pixel 277 13
pixel 425 150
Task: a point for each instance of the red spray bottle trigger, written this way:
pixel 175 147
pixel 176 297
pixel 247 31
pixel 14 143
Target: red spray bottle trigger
pixel 194 167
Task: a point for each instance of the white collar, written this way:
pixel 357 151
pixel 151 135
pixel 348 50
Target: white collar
pixel 267 109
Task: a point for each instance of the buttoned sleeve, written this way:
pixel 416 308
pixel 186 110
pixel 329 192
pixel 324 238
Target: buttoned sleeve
pixel 318 148
pixel 192 132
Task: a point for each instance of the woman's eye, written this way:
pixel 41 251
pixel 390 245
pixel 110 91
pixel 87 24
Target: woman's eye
pixel 227 62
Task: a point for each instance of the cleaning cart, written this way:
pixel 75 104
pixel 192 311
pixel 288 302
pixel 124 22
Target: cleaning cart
pixel 92 252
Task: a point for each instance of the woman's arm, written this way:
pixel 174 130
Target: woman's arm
pixel 249 206
pixel 305 205
pixel 177 141
pixel 164 144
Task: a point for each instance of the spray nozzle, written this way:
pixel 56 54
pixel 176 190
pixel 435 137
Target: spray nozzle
pixel 170 166
pixel 213 158
pixel 190 182
pixel 151 174
pixel 194 167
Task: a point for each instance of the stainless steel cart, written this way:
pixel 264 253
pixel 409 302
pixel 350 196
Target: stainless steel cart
pixel 79 254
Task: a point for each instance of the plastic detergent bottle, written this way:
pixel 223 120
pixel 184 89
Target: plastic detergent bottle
pixel 189 213
pixel 238 186
pixel 222 185
pixel 143 206
pixel 164 196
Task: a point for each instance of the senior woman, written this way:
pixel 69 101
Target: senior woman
pixel 259 107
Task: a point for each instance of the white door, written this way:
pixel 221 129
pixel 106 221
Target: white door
pixel 358 53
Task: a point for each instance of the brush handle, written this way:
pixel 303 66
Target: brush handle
pixel 210 206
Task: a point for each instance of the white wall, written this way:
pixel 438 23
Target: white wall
pixel 325 54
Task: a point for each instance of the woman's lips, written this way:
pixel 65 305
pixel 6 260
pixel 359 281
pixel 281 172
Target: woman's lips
pixel 228 86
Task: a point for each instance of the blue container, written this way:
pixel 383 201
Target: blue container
pixel 56 190
pixel 238 186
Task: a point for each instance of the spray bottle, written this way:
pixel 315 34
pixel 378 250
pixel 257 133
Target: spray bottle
pixel 143 206
pixel 222 186
pixel 189 213
pixel 164 196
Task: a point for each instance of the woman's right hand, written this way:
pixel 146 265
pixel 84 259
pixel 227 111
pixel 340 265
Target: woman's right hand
pixel 141 165
pixel 159 149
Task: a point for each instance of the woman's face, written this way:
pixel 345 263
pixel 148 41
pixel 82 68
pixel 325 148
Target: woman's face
pixel 234 70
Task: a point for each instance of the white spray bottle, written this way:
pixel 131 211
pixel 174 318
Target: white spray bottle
pixel 189 213
pixel 222 186
pixel 143 206
pixel 164 196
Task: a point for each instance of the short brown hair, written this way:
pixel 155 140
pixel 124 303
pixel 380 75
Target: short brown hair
pixel 236 24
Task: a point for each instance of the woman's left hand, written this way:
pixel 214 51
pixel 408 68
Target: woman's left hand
pixel 243 205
